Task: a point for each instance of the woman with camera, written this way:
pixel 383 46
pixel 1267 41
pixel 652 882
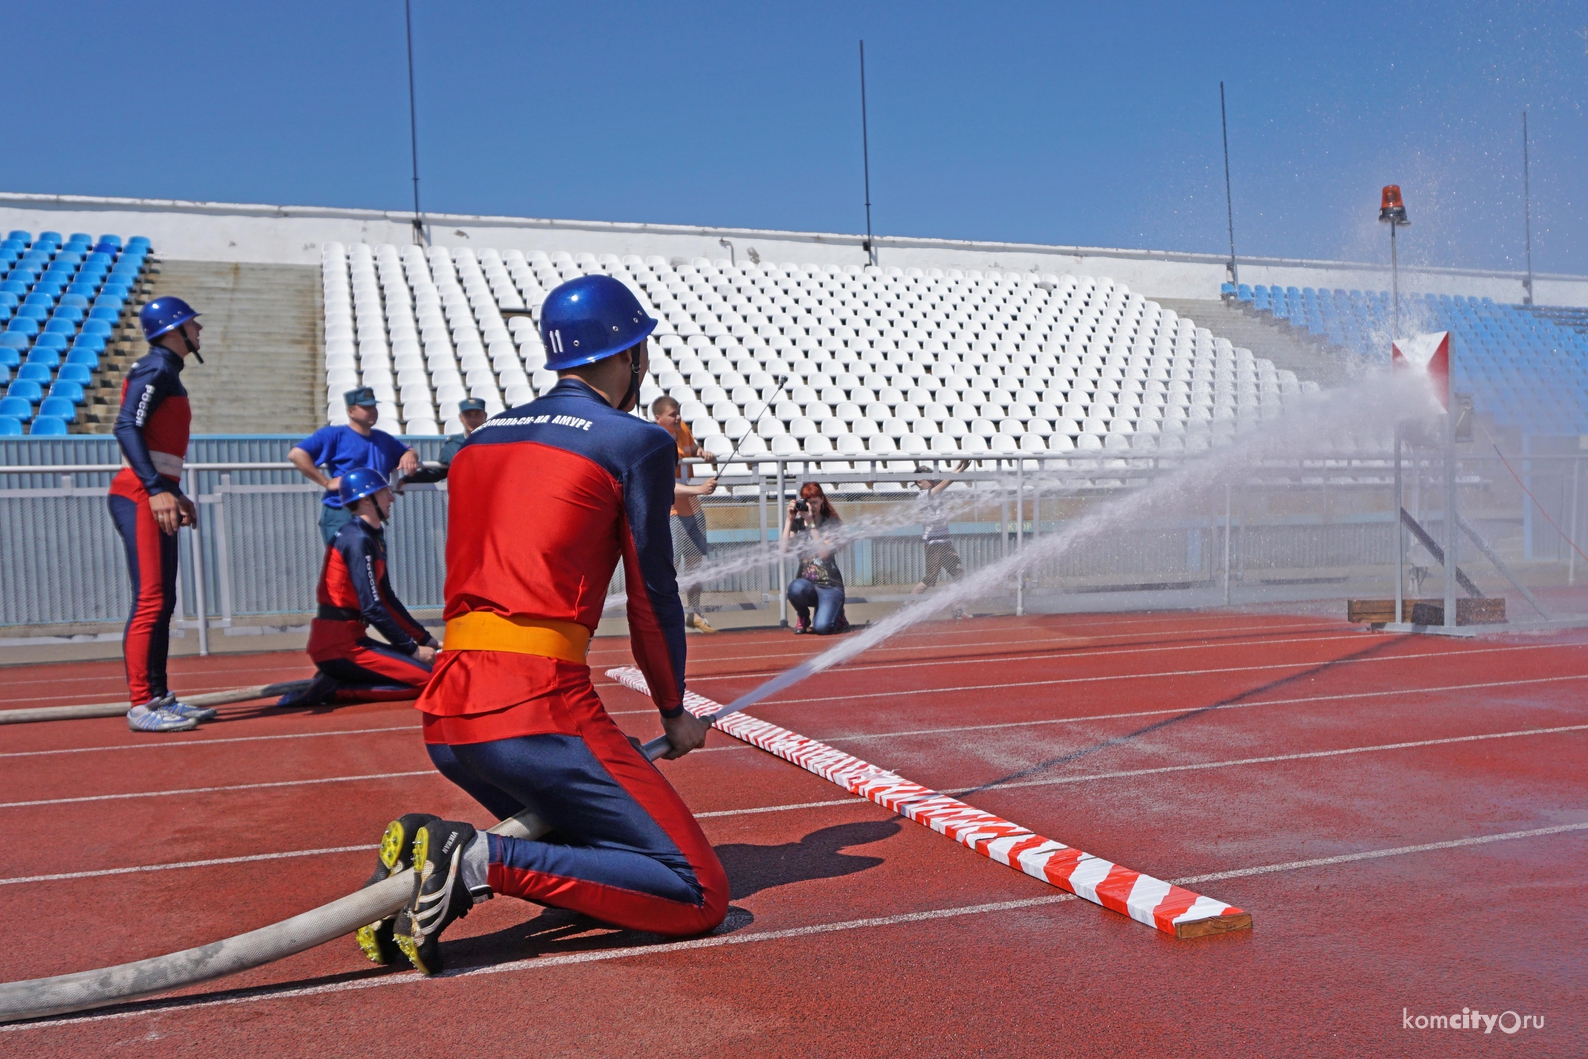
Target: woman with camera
pixel 810 528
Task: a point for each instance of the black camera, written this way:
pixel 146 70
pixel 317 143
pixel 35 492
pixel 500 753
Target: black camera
pixel 801 506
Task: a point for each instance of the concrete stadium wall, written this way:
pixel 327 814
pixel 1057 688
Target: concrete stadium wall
pixel 216 231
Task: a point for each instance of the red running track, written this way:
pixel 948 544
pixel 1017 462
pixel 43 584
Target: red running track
pixel 1185 746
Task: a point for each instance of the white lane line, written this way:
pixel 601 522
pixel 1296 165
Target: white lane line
pixel 1380 694
pixel 1055 642
pixel 1105 678
pixel 752 937
pixel 1269 759
pixel 214 790
pixel 102 872
pixel 856 737
pixel 1375 854
pixel 179 744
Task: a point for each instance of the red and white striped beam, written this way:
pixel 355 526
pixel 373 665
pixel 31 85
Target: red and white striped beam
pixel 1169 908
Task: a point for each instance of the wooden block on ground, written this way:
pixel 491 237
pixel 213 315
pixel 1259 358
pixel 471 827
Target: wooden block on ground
pixel 1202 928
pixel 1487 611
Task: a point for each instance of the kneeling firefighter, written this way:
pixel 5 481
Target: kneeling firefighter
pixel 561 490
pixel 354 594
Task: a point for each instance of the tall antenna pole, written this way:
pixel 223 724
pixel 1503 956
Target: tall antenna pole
pixel 1229 200
pixel 413 125
pixel 865 154
pixel 1527 211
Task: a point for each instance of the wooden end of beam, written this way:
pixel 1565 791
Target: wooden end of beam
pixel 1201 928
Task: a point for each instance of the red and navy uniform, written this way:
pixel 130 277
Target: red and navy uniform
pixel 547 499
pixel 355 593
pixel 152 429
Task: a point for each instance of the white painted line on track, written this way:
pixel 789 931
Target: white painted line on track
pixel 793 806
pixel 215 790
pixel 852 737
pixel 1105 678
pixel 188 743
pixel 1380 694
pixel 751 937
pixel 1056 643
pixel 1269 759
pixel 213 862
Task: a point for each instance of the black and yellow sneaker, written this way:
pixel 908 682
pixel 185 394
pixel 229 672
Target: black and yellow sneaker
pixel 440 894
pixel 396 853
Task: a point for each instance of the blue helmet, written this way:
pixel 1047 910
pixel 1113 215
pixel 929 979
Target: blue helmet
pixel 590 318
pixel 359 483
pixel 162 315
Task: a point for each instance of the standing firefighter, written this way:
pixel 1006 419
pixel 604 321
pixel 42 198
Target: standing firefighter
pixel 354 594
pixel 148 507
pixel 560 491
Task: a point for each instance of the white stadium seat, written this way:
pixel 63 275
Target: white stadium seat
pixel 940 356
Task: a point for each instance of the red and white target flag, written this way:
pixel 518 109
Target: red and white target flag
pixel 1170 908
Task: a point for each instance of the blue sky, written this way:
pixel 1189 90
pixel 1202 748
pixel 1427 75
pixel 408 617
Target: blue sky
pixel 1080 124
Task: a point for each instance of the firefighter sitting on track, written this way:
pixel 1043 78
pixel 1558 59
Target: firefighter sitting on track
pixel 355 593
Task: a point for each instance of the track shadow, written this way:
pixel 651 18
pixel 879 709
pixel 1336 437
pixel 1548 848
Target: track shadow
pixel 750 869
pixel 818 855
pixel 1120 740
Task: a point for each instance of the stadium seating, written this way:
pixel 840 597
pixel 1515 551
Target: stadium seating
pixel 1524 367
pixel 59 303
pixel 878 361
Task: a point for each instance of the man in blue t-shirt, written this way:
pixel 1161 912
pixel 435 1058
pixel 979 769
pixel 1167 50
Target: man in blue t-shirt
pixel 338 449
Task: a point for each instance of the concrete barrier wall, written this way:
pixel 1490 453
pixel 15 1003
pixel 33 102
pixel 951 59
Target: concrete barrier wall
pixel 216 231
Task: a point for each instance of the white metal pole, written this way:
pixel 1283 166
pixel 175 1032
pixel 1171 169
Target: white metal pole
pixel 1228 521
pixel 196 540
pixel 1571 545
pixel 1452 536
pixel 1400 535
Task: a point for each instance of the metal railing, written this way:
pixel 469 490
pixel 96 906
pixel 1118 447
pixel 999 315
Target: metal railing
pixel 254 558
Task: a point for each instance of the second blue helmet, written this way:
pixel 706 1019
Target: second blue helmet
pixel 162 315
pixel 359 483
pixel 590 318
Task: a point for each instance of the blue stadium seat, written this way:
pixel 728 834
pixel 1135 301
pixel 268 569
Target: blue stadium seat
pixel 81 288
pixel 58 406
pixel 34 372
pixel 48 237
pixel 10 427
pixel 26 389
pixel 138 242
pixel 92 343
pixel 105 312
pixel 71 298
pixel 97 327
pixel 17 233
pixel 68 391
pixel 14 286
pixel 48 426
pixel 51 340
pixel 36 298
pixel 64 320
pixel 50 287
pixel 16 408
pixel 75 371
pixel 81 356
pixel 23 325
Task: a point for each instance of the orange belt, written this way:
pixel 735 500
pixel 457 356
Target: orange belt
pixel 481 630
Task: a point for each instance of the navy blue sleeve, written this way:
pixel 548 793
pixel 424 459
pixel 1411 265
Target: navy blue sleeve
pixel 146 387
pixel 648 497
pixel 359 553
